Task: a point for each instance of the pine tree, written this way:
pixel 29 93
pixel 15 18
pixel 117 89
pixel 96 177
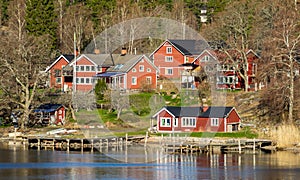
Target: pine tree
pixel 41 19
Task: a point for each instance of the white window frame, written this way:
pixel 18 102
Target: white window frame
pixel 148 69
pixel 167 71
pixel 141 68
pixel 133 80
pixel 133 70
pixel 188 121
pixel 148 80
pixel 214 121
pixel 88 68
pixel 87 80
pixel 81 68
pixel 58 80
pixel 168 58
pixel 169 50
pixel 82 80
pixel 93 68
pixel 205 58
pixel 164 122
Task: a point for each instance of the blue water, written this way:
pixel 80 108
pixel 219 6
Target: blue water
pixel 33 164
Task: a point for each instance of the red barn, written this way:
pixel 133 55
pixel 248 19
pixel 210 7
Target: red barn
pixel 197 119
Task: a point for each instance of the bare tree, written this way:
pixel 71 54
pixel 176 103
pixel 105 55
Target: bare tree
pixel 22 59
pixel 282 50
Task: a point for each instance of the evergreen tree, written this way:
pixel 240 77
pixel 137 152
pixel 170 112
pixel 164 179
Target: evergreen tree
pixel 3 11
pixel 41 19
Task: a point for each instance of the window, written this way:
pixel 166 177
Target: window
pixel 186 60
pixel 81 80
pixel 169 59
pixel 81 68
pixel 77 68
pixel 77 80
pixel 87 80
pixel 188 122
pixel 165 122
pixel 87 68
pixel 175 123
pixel 148 80
pixel 169 50
pixel 214 121
pixel 148 70
pixel 57 73
pixel 169 71
pixel 141 68
pixel 133 80
pixel 58 80
pixel 133 70
pixel 205 59
pixel 93 68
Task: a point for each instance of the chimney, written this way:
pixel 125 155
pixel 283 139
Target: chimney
pixel 97 51
pixel 123 51
pixel 205 108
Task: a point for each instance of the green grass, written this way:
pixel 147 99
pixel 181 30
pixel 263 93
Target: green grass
pixel 239 134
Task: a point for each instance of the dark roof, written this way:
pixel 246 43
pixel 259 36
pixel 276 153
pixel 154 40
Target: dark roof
pixel 190 47
pixel 185 111
pixel 48 107
pixel 211 112
pixel 69 57
pixel 216 112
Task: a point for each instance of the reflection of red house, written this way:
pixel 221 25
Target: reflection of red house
pixel 172 53
pixel 55 75
pixel 197 119
pixel 131 72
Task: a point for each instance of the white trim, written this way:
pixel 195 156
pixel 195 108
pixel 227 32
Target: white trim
pixel 163 110
pixel 188 119
pixel 166 119
pixel 214 123
pixel 79 58
pixel 61 56
pixel 225 124
pixel 213 56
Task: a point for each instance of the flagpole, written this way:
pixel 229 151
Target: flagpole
pixel 74 74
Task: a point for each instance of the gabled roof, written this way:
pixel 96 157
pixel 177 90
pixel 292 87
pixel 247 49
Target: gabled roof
pixel 48 108
pixel 125 65
pixel 208 51
pixel 217 112
pixel 211 112
pixel 67 57
pixel 189 47
pixel 185 111
pixel 186 47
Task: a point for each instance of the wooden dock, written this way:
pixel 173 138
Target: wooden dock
pixel 62 144
pixel 219 146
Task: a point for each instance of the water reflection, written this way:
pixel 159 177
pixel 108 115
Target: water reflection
pixel 136 164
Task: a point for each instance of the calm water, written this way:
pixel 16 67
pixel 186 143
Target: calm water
pixel 140 163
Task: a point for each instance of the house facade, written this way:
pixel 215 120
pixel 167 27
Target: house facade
pixel 56 79
pixel 197 119
pixel 85 67
pixel 131 73
pixel 172 53
pixel 216 64
pixel 47 114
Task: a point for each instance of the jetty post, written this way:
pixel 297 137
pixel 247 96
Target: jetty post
pixel 240 149
pixel 146 138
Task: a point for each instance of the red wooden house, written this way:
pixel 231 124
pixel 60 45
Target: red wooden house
pixel 55 73
pixel 130 72
pixel 215 63
pixel 50 114
pixel 172 53
pixel 86 67
pixel 197 119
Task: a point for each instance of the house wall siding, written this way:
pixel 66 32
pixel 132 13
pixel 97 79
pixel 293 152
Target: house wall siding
pixel 164 113
pixel 58 66
pixel 142 76
pixel 85 74
pixel 159 61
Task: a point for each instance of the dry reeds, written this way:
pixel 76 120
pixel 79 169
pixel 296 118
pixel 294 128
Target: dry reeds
pixel 286 135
